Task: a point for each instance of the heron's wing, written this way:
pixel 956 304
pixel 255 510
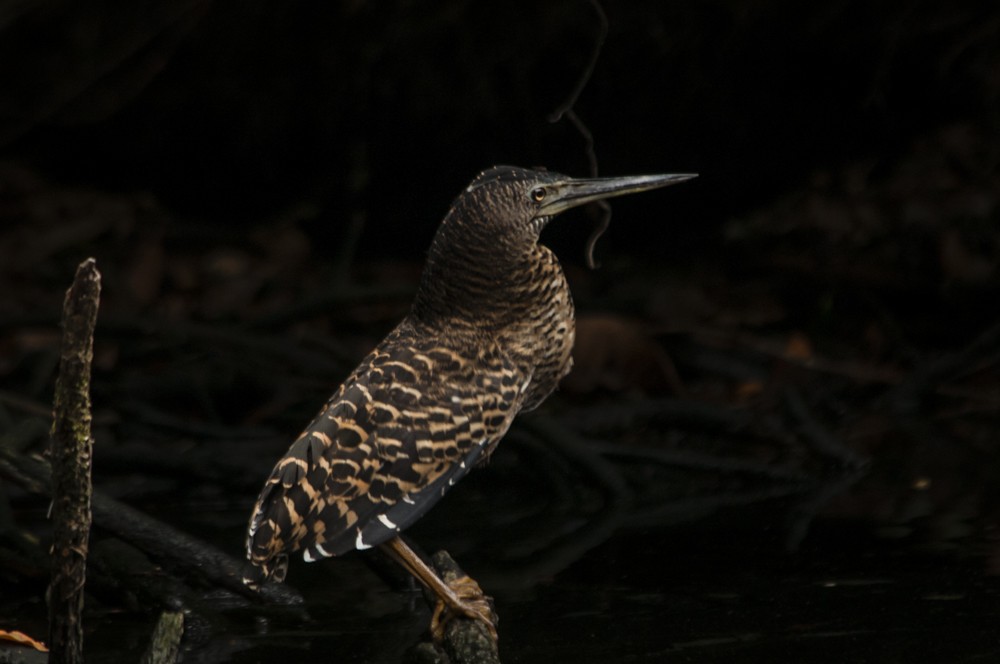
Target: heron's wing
pixel 409 423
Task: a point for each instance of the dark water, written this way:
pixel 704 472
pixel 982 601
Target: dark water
pixel 663 597
pixel 734 571
pixel 720 586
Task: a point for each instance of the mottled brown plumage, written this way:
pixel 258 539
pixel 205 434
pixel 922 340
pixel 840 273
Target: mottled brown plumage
pixel 489 335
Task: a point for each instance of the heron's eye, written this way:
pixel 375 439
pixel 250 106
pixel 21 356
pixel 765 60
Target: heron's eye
pixel 538 194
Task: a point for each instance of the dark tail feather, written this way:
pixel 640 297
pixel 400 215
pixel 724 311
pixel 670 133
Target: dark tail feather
pixel 255 575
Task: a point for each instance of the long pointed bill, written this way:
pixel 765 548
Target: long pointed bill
pixel 571 192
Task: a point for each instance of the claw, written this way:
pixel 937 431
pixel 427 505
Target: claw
pixel 473 604
pixel 459 596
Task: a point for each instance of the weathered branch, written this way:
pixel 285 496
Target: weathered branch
pixel 72 447
pixel 166 639
pixel 166 543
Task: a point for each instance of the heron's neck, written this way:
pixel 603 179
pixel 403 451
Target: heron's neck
pixel 475 285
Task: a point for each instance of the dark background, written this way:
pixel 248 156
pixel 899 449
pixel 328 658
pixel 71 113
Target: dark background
pixel 233 111
pixel 259 180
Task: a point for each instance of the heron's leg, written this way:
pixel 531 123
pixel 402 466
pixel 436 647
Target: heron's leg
pixel 463 596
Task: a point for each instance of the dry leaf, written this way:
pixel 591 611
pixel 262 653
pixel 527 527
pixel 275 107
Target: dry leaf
pixel 23 639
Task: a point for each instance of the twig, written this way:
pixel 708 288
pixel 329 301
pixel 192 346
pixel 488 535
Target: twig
pixel 595 54
pixel 604 217
pixel 566 109
pixel 72 447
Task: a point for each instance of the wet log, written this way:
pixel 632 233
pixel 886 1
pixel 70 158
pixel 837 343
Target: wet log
pixel 466 641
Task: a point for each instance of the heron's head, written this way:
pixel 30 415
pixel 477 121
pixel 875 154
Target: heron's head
pixel 506 207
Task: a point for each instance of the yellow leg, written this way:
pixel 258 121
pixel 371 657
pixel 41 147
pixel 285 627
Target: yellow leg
pixel 462 597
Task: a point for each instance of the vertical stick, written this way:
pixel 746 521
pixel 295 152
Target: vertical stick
pixel 71 456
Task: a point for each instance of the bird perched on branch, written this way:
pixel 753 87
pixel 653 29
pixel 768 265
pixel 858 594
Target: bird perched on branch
pixel 489 335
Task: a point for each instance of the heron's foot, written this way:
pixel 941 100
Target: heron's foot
pixel 468 601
